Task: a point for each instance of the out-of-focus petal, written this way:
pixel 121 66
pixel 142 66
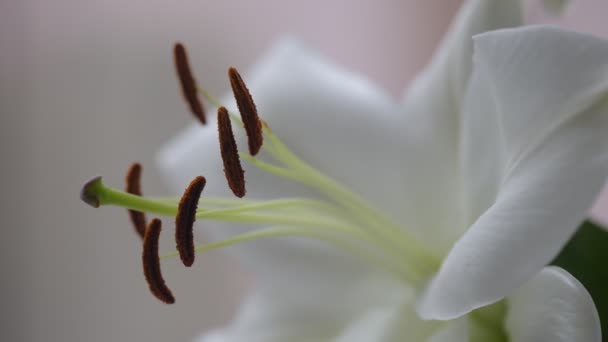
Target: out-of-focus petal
pixel 262 319
pixel 395 321
pixel 553 306
pixel 388 316
pixel 452 331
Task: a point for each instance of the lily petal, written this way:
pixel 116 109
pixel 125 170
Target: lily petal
pixel 535 154
pixel 553 306
pixel 453 331
pixel 432 124
pixel 394 322
pixel 389 316
pixel 261 319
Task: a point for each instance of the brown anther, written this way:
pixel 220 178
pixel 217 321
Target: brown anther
pixel 151 262
pixel 188 83
pixel 230 154
pixel 249 113
pixel 133 186
pixel 184 221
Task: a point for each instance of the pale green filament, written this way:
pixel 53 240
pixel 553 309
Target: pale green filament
pixel 344 219
pixel 379 225
pixel 300 171
pixel 304 217
pixel 318 234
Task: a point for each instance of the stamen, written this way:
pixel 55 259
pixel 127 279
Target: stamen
pixel 230 155
pixel 151 262
pixel 188 83
pixel 184 220
pixel 249 113
pixel 133 186
pixel 344 218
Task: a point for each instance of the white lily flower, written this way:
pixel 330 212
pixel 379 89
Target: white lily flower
pixel 426 209
pixel 489 166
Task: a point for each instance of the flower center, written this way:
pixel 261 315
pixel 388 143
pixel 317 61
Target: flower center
pixel 340 217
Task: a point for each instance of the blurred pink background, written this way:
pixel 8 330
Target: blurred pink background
pixel 86 87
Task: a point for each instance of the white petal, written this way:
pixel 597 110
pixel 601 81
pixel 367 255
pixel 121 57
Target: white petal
pixel 553 306
pixel 329 118
pixel 262 319
pixel 452 331
pixel 386 316
pixel 395 321
pixel 433 113
pixel 535 157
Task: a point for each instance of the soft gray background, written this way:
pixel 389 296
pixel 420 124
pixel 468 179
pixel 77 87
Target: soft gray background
pixel 86 87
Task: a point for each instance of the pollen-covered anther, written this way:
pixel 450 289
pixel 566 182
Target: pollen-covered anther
pixel 249 113
pixel 133 186
pixel 188 83
pixel 230 154
pixel 151 263
pixel 184 220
